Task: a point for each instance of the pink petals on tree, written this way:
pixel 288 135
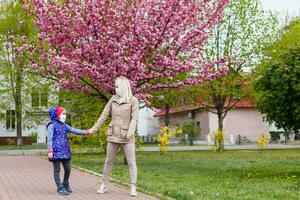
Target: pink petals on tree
pixel 156 44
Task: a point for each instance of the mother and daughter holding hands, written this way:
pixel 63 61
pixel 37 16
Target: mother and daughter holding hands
pixel 123 110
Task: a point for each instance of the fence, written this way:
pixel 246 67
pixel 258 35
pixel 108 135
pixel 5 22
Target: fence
pixel 279 137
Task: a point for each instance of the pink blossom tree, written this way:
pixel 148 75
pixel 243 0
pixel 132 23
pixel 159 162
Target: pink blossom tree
pixel 86 44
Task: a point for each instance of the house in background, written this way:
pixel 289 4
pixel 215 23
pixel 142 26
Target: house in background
pixel 243 121
pixel 34 116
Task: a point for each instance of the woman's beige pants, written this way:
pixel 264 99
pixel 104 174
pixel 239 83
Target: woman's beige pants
pixel 111 153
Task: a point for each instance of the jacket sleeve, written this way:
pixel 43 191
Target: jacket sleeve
pixel 50 136
pixel 75 131
pixel 134 116
pixel 104 116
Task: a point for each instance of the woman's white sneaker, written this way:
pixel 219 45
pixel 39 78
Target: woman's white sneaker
pixel 133 192
pixel 102 189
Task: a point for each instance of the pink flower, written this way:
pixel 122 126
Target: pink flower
pixel 146 41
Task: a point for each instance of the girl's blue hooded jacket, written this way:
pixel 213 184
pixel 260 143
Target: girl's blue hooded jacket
pixel 57 136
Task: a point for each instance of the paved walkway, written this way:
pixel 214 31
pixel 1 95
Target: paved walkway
pixel 30 178
pixel 171 148
pixel 227 147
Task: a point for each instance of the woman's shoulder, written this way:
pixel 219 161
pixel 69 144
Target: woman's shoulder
pixel 134 99
pixel 112 98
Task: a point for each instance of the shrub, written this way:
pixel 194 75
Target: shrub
pixel 192 130
pixel 263 141
pixel 33 137
pixel 218 141
pixel 11 141
pixel 164 136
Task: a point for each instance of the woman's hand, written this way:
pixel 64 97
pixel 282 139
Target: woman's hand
pixel 129 136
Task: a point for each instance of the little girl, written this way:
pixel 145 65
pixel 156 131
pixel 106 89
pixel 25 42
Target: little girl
pixel 59 148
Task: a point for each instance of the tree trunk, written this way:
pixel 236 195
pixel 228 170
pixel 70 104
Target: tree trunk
pixel 220 121
pixel 18 106
pixel 167 117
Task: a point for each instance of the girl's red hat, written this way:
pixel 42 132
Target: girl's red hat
pixel 59 110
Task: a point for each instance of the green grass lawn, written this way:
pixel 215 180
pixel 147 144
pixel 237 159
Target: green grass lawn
pixel 230 175
pixel 25 147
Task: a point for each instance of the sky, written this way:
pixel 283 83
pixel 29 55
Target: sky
pixel 292 7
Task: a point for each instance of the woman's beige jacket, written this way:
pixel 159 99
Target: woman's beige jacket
pixel 124 119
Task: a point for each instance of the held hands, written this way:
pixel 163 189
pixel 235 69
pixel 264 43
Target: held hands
pixel 87 133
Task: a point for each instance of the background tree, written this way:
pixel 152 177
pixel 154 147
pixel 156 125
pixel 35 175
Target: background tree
pixel 192 130
pixel 277 80
pixel 15 27
pixel 243 33
pixel 82 110
pixel 86 44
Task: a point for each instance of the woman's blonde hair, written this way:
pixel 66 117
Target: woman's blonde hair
pixel 124 87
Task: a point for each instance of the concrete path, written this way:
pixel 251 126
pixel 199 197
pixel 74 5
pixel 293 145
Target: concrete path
pixel 227 147
pixel 171 148
pixel 30 178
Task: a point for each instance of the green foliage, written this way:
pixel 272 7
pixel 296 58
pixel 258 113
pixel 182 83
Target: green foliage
pixel 241 36
pixel 138 141
pixel 275 135
pixel 278 86
pixel 82 112
pixel 33 137
pixel 276 79
pixel 288 39
pixel 16 27
pixel 192 130
pixel 93 143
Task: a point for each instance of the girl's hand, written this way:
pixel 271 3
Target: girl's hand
pixel 50 155
pixel 87 133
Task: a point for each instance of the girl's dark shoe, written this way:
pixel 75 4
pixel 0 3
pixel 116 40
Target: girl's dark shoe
pixel 68 189
pixel 62 191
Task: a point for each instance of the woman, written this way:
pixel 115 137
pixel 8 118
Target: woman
pixel 123 109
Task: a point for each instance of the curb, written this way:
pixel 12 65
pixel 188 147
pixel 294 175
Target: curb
pixel 160 196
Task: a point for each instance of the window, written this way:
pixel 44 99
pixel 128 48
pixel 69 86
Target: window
pixel 39 98
pixel 35 98
pixel 10 119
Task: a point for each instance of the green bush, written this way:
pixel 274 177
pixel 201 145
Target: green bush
pixel 192 130
pixel 33 137
pixel 275 135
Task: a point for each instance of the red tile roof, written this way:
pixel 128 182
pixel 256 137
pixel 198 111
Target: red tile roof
pixel 184 108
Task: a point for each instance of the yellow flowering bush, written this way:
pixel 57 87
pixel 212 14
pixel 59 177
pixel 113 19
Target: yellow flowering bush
pixel 263 141
pixel 219 140
pixel 164 136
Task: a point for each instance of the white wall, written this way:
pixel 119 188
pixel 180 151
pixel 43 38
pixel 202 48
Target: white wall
pixel 147 124
pixel 39 128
